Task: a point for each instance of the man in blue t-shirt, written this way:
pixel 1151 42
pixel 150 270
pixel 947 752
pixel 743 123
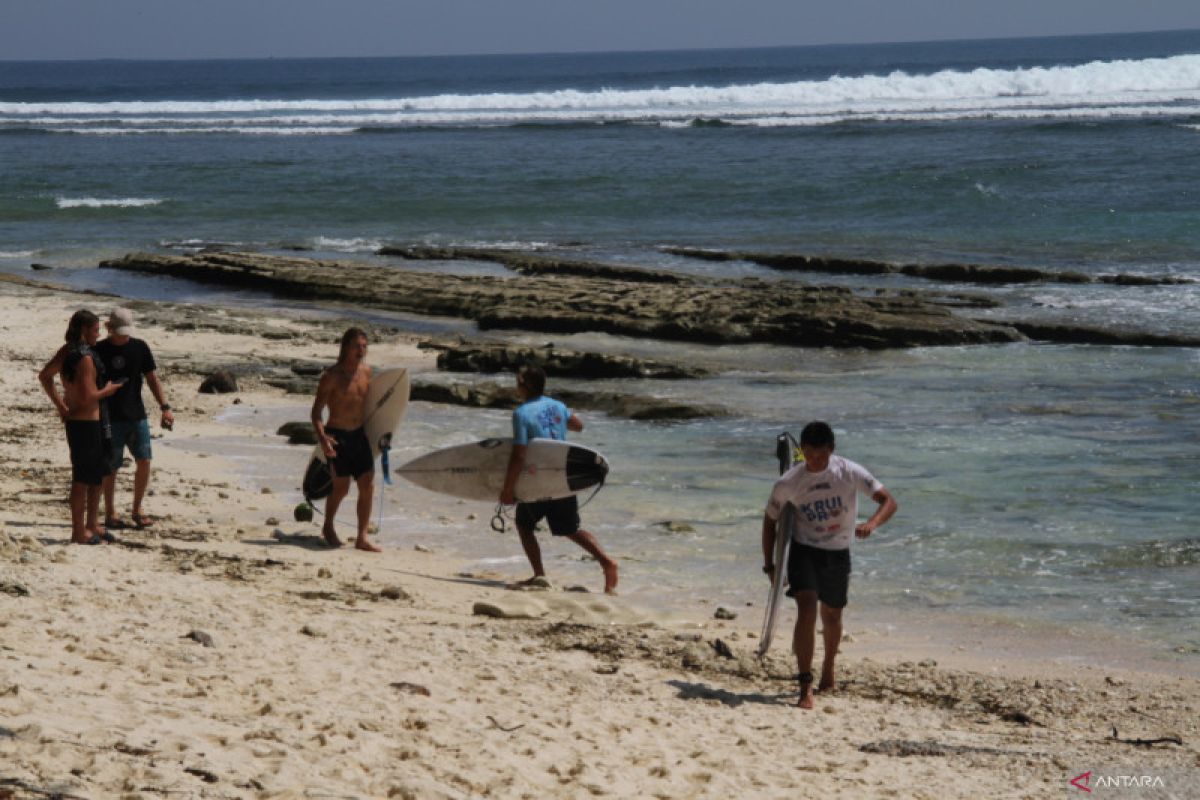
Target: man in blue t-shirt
pixel 541 417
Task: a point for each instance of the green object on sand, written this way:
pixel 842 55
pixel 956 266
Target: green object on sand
pixel 303 513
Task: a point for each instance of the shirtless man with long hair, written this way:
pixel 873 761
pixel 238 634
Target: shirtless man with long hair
pixel 343 391
pixel 80 408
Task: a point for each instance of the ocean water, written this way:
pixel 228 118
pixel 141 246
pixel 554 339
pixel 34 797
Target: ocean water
pixel 1038 484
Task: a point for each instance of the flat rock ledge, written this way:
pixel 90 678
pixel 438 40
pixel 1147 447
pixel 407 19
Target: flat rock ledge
pixel 487 357
pixel 949 273
pixel 690 310
pixel 529 263
pixel 1082 334
pixel 488 394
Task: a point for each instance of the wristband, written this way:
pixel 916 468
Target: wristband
pixel 768 568
pixel 165 407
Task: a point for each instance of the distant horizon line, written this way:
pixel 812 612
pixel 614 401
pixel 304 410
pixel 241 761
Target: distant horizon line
pixel 120 59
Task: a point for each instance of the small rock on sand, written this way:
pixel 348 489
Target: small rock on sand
pixel 492 610
pixel 201 637
pixel 394 593
pixel 404 687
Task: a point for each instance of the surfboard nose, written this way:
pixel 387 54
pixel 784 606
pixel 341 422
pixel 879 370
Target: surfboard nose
pixel 585 468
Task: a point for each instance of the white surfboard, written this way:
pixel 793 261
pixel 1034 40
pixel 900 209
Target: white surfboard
pixel 785 529
pixel 387 400
pixel 476 471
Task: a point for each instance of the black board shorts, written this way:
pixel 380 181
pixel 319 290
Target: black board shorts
pixel 561 515
pixel 827 572
pixel 353 456
pixel 89 452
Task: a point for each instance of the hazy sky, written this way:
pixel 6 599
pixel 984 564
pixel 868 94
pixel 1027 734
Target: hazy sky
pixel 36 29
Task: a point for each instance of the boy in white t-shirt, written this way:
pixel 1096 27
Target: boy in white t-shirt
pixel 824 490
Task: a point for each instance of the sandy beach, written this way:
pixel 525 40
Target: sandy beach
pixel 225 653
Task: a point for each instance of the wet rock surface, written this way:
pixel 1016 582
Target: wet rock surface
pixel 528 263
pixel 951 273
pixel 689 309
pixel 489 394
pixel 467 356
pixel 1082 334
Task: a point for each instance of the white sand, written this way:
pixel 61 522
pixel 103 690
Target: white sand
pixel 317 685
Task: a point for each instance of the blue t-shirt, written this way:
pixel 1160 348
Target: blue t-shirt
pixel 543 418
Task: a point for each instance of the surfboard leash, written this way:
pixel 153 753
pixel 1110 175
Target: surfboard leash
pixel 592 496
pixel 500 519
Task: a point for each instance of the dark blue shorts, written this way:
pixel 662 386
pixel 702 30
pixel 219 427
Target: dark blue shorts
pixel 561 515
pixel 134 434
pixel 827 572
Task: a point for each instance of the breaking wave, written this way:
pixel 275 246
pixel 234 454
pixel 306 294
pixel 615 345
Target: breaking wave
pixel 106 202
pixel 1154 87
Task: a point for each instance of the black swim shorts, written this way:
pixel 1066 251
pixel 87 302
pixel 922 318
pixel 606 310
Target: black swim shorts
pixel 827 572
pixel 353 452
pixel 89 455
pixel 562 515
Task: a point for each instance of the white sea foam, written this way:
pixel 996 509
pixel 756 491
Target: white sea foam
pixel 1165 87
pixel 106 202
pixel 358 245
pixel 253 130
pixel 502 244
pixel 16 253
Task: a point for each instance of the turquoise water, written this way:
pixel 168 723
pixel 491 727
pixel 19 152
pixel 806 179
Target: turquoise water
pixel 1036 482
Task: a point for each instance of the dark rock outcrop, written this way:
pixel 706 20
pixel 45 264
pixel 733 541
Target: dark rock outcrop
pixel 298 432
pixel 527 263
pixel 1080 334
pixel 695 310
pixel 463 356
pixel 489 394
pixel 219 382
pixel 949 273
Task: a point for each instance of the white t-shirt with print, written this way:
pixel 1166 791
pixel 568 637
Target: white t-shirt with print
pixel 826 502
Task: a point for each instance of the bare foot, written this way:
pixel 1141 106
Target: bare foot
pixel 610 577
pixel 806 690
pixel 331 538
pixel 363 544
pixel 827 687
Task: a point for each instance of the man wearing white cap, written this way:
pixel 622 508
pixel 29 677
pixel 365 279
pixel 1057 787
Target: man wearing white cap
pixel 129 359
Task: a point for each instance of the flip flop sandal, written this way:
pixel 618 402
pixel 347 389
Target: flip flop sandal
pixel 109 538
pixel 143 521
pixel 117 524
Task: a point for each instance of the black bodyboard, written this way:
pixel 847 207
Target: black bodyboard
pixel 318 480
